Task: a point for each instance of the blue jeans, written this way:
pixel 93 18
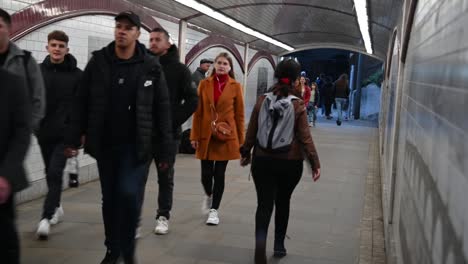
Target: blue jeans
pixel 121 176
pixel 311 112
pixel 340 102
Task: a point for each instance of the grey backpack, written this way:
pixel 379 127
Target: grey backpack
pixel 276 123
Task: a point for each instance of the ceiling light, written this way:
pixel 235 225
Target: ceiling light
pixel 363 21
pixel 231 22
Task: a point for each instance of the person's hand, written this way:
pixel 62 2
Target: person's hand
pixel 316 107
pixel 316 174
pixel 70 152
pixel 245 161
pixel 5 190
pixel 194 144
pixel 163 166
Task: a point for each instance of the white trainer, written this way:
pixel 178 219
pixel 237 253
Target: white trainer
pixel 213 218
pixel 43 229
pixel 206 205
pixel 138 232
pixel 162 226
pixel 57 217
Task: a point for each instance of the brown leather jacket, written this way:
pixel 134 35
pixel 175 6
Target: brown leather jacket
pixel 302 143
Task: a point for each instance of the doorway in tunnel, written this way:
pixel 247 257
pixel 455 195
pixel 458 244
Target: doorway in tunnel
pixel 365 75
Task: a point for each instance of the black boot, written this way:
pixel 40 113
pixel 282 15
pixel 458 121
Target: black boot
pixel 260 255
pixel 110 258
pixel 279 250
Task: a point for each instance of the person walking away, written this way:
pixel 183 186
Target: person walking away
pixel 200 73
pixel 61 79
pixel 21 62
pixel 183 98
pixel 217 130
pixel 15 134
pixel 122 108
pixel 279 134
pixel 341 95
pixel 328 96
pixel 313 104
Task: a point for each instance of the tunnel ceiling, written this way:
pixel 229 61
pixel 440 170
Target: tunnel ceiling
pixel 298 23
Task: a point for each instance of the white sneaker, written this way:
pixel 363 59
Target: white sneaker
pixel 206 205
pixel 162 226
pixel 43 229
pixel 57 217
pixel 213 218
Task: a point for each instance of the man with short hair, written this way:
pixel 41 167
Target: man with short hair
pixel 184 99
pixel 15 134
pixel 61 79
pixel 199 74
pixel 20 62
pixel 122 108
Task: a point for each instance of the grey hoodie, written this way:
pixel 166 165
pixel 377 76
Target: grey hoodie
pixel 14 63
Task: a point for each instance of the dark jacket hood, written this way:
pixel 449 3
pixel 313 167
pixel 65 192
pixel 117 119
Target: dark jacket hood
pixel 172 56
pixel 69 63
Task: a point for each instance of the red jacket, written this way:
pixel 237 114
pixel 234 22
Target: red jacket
pixel 307 94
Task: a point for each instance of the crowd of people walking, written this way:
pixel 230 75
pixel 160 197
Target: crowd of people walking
pixel 126 109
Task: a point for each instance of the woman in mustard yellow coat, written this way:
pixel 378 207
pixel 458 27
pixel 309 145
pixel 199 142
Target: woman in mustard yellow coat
pixel 222 94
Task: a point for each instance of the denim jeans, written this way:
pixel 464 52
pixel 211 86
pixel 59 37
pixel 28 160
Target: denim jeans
pixel 340 102
pixel 311 112
pixel 54 160
pixel 121 175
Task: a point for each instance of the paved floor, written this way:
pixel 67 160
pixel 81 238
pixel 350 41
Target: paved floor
pixel 324 222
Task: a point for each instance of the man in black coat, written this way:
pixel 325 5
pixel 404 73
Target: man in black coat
pixel 122 109
pixel 184 99
pixel 15 134
pixel 61 79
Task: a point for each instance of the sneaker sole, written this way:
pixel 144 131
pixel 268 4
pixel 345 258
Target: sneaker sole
pixel 160 233
pixel 42 237
pixel 212 223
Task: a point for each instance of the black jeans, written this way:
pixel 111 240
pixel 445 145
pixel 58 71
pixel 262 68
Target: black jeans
pixel 54 161
pixel 121 176
pixel 9 241
pixel 275 181
pixel 166 188
pixel 212 178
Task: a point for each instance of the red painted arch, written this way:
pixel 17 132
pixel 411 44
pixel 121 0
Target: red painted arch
pixel 211 42
pixel 261 55
pixel 49 11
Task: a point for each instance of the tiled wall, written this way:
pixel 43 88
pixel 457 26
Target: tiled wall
pixel 431 213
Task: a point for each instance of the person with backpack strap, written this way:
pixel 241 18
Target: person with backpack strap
pixel 279 134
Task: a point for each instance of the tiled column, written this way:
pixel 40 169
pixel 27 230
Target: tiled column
pixel 182 39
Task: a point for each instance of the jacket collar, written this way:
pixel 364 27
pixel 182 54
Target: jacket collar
pixel 13 51
pixel 210 89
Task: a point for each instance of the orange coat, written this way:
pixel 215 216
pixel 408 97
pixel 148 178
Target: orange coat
pixel 230 108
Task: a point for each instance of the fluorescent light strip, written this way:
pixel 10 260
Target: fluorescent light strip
pixel 363 21
pixel 231 22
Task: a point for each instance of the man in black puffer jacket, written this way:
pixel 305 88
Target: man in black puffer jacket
pixel 122 109
pixel 61 79
pixel 184 99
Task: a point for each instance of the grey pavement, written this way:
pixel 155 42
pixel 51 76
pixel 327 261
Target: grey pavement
pixel 324 223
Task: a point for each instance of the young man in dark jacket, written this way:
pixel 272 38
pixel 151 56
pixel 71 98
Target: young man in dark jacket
pixel 122 109
pixel 61 79
pixel 20 62
pixel 184 99
pixel 15 134
pixel 199 74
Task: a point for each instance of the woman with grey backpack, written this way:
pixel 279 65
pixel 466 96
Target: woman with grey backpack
pixel 279 134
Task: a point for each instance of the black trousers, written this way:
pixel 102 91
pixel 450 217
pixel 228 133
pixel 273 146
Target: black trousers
pixel 275 181
pixel 9 241
pixel 212 178
pixel 54 161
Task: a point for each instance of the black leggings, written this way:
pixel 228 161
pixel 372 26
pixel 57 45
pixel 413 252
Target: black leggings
pixel 275 180
pixel 213 170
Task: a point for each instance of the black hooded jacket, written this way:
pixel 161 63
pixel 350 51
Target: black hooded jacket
pixel 111 86
pixel 61 83
pixel 182 90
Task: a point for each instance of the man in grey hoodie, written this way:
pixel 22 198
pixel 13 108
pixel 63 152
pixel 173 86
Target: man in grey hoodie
pixel 20 62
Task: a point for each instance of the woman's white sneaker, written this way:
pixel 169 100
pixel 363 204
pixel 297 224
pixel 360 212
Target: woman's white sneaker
pixel 162 226
pixel 43 229
pixel 213 218
pixel 57 217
